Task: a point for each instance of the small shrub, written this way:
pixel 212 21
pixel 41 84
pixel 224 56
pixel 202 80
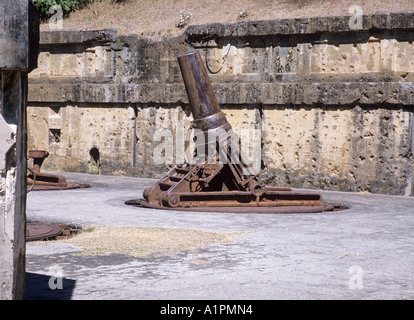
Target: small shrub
pixel 184 18
pixel 243 14
pixel 67 6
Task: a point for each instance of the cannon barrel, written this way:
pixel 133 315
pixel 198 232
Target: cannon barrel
pixel 206 111
pixel 204 106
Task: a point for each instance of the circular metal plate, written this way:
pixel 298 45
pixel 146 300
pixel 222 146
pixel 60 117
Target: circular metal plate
pixel 323 207
pixel 40 231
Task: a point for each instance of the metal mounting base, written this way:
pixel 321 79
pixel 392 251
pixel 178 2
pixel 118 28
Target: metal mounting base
pixel 322 207
pixel 40 231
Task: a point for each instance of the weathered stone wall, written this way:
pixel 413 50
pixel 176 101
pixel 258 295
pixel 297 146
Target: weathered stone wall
pixel 87 92
pixel 334 105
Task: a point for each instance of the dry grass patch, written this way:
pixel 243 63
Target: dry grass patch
pixel 159 18
pixel 142 241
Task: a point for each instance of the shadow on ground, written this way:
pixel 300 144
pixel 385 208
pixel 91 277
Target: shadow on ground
pixel 40 287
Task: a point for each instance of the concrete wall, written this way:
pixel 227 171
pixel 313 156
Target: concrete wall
pixel 334 104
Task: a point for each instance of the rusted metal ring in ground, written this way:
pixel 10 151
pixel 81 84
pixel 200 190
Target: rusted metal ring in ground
pixel 41 231
pixel 323 207
pixel 67 186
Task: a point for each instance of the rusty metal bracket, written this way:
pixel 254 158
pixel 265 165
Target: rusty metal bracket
pixel 38 181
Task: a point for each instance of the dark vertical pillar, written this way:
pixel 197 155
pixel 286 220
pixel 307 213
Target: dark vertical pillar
pixel 19 37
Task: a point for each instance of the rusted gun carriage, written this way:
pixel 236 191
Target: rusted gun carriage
pixel 37 180
pixel 210 184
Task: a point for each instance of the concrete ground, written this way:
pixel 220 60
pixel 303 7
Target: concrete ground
pixel 365 252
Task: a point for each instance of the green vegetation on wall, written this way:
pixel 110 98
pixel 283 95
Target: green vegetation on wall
pixel 47 7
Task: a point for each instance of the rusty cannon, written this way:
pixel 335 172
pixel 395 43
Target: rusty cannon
pixel 219 178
